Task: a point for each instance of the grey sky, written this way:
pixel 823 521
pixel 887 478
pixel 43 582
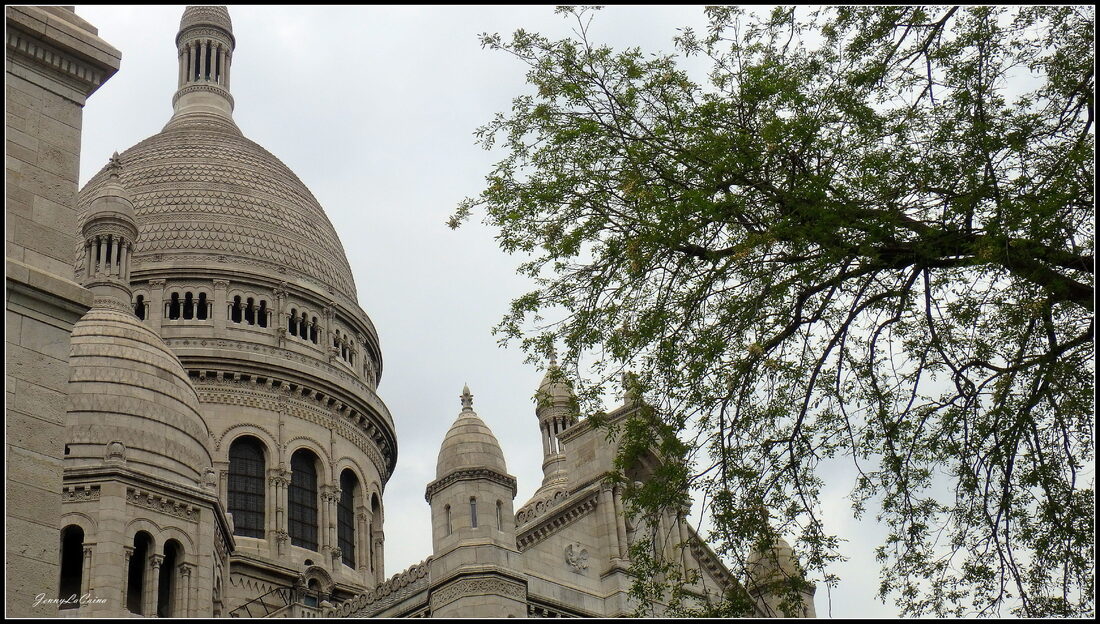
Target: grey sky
pixel 374 108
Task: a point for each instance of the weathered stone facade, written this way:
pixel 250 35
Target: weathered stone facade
pixel 54 61
pixel 195 412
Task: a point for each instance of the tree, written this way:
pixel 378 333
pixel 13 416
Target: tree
pixel 868 234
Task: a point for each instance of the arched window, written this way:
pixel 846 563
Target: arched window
pixel 345 512
pixel 250 312
pixel 261 314
pixel 235 311
pixel 72 565
pixel 302 497
pixel 200 309
pixel 447 513
pixel 313 331
pixel 473 512
pixel 139 307
pixel 246 486
pixel 167 583
pixel 500 516
pixel 188 306
pixel 174 307
pixel 375 523
pixel 304 332
pixel 139 561
pixel 292 322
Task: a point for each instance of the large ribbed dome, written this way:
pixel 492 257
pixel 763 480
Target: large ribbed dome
pixel 126 385
pixel 205 195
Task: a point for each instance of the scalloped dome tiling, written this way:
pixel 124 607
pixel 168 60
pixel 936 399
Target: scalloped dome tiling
pixel 200 189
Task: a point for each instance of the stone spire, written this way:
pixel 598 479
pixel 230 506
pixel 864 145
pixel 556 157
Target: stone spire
pixel 467 400
pixel 204 46
pixel 109 232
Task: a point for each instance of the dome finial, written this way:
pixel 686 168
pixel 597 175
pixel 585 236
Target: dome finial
pixel 114 166
pixel 467 399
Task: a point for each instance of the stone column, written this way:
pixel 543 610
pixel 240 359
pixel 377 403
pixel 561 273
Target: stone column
pixel 362 522
pixel 228 65
pixel 182 608
pixel 607 502
pixel 156 302
pixel 620 521
pixel 182 57
pixel 128 554
pixel 221 305
pixel 203 47
pixel 687 558
pixel 280 483
pixel 152 584
pixel 368 542
pixel 379 558
pixel 86 571
pixel 325 339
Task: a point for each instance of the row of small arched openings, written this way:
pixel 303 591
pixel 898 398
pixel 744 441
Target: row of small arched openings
pixel 247 500
pixel 164 600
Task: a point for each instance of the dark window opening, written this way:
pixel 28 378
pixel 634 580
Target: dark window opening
pixel 261 314
pixel 313 331
pixel 166 584
pixel 235 312
pixel 345 526
pixel 293 322
pixel 139 307
pixel 473 512
pixel 250 312
pixel 200 311
pixel 72 563
pixel 302 498
pixel 188 306
pixel 246 487
pixel 174 307
pixel 135 584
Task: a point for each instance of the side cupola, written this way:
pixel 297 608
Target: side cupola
pixel 472 495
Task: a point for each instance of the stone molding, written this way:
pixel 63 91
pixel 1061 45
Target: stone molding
pixel 584 504
pixel 709 561
pixel 534 509
pixel 477 586
pixel 397 588
pixel 79 494
pixel 163 504
pixel 203 86
pixel 72 71
pixel 469 474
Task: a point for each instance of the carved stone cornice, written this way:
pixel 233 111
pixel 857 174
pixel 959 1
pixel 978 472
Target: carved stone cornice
pixel 567 514
pixel 478 586
pixel 163 504
pixel 71 70
pixel 80 494
pixel 470 474
pixel 203 86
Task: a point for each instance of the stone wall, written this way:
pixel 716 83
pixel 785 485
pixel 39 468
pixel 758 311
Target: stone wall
pixel 54 61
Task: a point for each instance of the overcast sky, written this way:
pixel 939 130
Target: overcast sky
pixel 374 108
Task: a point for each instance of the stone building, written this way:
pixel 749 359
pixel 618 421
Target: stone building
pixel 225 452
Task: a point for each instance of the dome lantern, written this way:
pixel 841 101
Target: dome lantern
pixel 109 232
pixel 204 46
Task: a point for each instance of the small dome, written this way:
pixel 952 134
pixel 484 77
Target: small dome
pixel 217 16
pixel 125 385
pixel 775 564
pixel 111 201
pixel 554 390
pixel 469 444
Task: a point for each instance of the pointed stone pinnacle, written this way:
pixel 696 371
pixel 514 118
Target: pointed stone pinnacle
pixel 467 399
pixel 553 357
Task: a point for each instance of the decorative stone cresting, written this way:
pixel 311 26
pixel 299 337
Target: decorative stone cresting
pixel 398 587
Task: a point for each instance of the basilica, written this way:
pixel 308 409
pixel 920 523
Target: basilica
pixel 192 421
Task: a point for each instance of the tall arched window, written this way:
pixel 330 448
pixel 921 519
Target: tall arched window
pixel 235 311
pixel 313 330
pixel 200 309
pixel 167 583
pixel 473 512
pixel 250 312
pixel 447 514
pixel 246 486
pixel 139 561
pixel 302 497
pixel 500 516
pixel 261 314
pixel 375 522
pixel 345 516
pixel 292 322
pixel 188 306
pixel 72 565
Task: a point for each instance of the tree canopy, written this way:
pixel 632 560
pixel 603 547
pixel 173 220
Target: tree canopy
pixel 868 233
